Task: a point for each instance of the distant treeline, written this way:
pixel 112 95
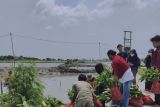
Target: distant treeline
pixel 17 58
pixel 23 58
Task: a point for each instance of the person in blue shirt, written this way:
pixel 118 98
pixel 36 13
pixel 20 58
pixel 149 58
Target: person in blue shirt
pixel 134 62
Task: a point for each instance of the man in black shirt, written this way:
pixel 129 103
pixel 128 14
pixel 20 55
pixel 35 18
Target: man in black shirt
pixel 101 88
pixel 121 52
pixel 148 58
pixel 147 61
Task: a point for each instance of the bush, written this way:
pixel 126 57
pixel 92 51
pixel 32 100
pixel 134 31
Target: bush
pixel 25 88
pixel 150 75
pixel 53 102
pixel 70 62
pixel 70 94
pixel 135 92
pixel 105 96
pixel 105 78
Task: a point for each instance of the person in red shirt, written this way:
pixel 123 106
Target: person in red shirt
pixel 123 74
pixel 155 62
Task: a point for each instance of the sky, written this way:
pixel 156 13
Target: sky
pixel 74 28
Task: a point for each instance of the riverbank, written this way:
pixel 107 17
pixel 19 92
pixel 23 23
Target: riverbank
pixel 54 68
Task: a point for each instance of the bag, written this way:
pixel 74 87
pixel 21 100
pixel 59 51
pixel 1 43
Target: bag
pixel 98 103
pixel 71 104
pixel 147 100
pixel 116 94
pixel 156 87
pixel 136 102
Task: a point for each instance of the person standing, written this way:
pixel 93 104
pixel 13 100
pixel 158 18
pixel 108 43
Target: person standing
pixel 101 88
pixel 122 73
pixel 134 62
pixel 83 93
pixel 121 52
pixel 156 60
pixel 148 59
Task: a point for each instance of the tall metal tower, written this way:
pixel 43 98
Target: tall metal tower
pixel 127 40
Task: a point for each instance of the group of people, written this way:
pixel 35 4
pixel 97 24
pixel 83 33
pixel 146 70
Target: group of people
pixel 125 66
pixel 153 60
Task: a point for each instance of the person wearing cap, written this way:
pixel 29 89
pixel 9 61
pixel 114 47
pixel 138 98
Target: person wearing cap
pixel 155 62
pixel 122 73
pixel 121 52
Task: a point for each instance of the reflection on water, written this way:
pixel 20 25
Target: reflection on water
pixel 58 86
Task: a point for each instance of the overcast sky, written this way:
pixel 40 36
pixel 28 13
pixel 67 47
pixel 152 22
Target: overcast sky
pixel 79 21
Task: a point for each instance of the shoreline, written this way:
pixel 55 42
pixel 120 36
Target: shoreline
pixel 42 71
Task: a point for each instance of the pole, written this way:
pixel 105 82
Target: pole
pixel 131 39
pixel 99 50
pixel 1 86
pixel 12 49
pixel 124 39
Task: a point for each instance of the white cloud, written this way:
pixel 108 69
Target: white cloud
pixel 71 14
pixel 49 27
pixel 144 3
pixel 68 13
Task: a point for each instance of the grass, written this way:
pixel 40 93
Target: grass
pixel 141 70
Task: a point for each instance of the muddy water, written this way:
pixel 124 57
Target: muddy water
pixel 58 86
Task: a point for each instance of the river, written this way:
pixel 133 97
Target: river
pixel 57 86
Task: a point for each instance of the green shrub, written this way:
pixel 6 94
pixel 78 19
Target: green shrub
pixel 70 94
pixel 105 96
pixel 150 74
pixel 53 102
pixel 135 92
pixel 105 78
pixel 25 89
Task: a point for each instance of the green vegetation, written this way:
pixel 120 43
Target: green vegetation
pixel 53 102
pixel 135 92
pixel 25 89
pixel 70 62
pixel 70 94
pixel 17 58
pixel 105 78
pixel 150 74
pixel 24 59
pixel 105 96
